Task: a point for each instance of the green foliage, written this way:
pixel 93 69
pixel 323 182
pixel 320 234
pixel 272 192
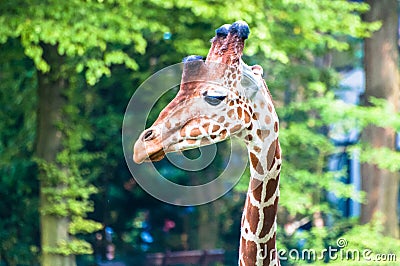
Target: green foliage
pixel 348 117
pixel 294 27
pixel 83 30
pixel 80 225
pixel 383 157
pixel 330 110
pixel 102 42
pixel 304 178
pixel 19 187
pixel 64 186
pixel 73 247
pixel 95 32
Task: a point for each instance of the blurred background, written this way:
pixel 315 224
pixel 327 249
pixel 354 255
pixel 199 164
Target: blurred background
pixel 69 68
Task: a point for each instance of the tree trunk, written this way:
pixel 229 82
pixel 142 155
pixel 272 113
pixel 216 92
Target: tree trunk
pixel 382 81
pixel 54 229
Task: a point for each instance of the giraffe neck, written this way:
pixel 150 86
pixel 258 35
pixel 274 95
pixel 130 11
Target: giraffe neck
pixel 258 227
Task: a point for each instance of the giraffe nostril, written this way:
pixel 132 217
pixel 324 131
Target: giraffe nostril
pixel 148 135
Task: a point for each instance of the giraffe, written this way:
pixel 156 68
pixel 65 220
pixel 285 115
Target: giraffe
pixel 218 98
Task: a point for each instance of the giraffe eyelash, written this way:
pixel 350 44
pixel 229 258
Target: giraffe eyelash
pixel 213 100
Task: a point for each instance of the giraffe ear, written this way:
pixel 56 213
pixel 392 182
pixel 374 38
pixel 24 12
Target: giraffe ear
pixel 193 68
pixel 249 82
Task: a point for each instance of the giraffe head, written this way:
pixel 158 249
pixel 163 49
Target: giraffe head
pixel 213 103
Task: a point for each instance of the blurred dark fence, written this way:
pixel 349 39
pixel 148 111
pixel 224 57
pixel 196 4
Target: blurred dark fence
pixel 196 257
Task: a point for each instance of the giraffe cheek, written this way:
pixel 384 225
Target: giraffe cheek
pixel 215 128
pixel 235 128
pixel 191 141
pixel 231 114
pixel 246 117
pixel 239 112
pixel 195 132
pixel 223 133
pixel 204 142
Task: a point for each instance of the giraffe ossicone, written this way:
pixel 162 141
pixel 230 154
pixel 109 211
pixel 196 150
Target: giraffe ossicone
pixel 218 98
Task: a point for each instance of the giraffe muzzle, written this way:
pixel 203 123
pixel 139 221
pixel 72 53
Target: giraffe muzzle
pixel 148 147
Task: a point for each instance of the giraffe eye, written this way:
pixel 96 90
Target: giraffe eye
pixel 213 99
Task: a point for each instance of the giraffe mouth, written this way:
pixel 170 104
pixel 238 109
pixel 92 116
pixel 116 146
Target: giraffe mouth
pixel 157 156
pixel 147 153
pixel 141 156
